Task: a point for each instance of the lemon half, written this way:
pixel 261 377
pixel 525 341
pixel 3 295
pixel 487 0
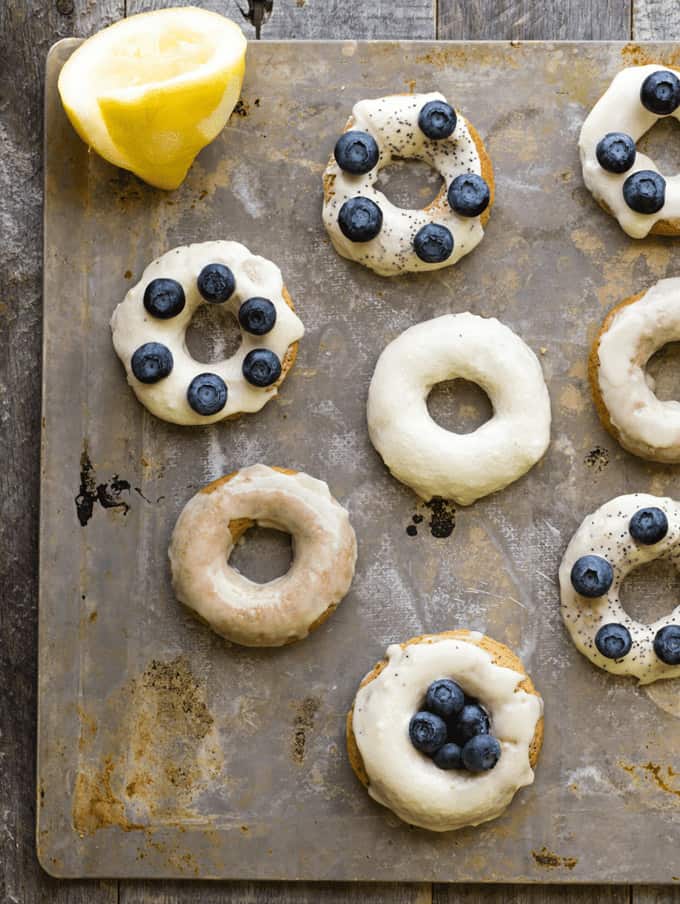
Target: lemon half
pixel 150 91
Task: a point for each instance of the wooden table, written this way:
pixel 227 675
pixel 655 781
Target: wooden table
pixel 27 29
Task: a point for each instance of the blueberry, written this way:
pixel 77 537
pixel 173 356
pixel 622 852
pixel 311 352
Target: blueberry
pixel 667 644
pixel 613 641
pixel 645 191
pixel 360 219
pixel 427 732
pixel 261 367
pixel 471 721
pixel 481 753
pixel 444 697
pixel 257 316
pixel 660 92
pixel 207 394
pixel 448 757
pixel 152 362
pixel 648 526
pixel 591 576
pixel 433 243
pixel 164 298
pixel 216 283
pixel 356 152
pixel 469 195
pixel 437 120
pixel 616 152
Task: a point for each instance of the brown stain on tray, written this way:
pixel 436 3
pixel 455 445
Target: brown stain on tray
pixel 550 860
pixel 303 723
pixel 660 776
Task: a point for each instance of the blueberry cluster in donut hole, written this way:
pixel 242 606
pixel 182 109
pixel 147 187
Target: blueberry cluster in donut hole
pixel 454 729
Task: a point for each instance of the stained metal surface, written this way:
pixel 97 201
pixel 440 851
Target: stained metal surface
pixel 164 751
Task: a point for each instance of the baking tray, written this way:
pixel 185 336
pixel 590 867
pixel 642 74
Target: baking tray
pixel 164 751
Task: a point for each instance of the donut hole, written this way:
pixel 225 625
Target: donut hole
pixel 459 406
pixel 662 144
pixel 213 334
pixel 663 372
pixel 651 591
pixel 411 184
pixel 262 554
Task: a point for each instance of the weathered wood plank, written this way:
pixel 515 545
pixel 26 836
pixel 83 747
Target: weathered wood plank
pixel 272 893
pixel 656 20
pixel 531 894
pixel 655 894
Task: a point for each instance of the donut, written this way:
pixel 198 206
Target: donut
pixel 364 226
pixel 437 462
pixel 623 392
pixel 445 730
pixel 289 607
pixel 625 182
pixel 149 333
pixel 621 535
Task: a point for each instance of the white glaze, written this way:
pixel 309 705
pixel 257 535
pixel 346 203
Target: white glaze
pixel 282 610
pixel 133 326
pixel 646 425
pixel 393 122
pixel 620 110
pixel 434 461
pixel 605 533
pixel 406 781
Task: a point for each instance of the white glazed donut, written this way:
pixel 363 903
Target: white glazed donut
pixel 627 183
pixel 621 535
pixel 409 782
pixel 437 462
pixel 149 333
pixel 623 391
pixel 366 227
pixel 289 607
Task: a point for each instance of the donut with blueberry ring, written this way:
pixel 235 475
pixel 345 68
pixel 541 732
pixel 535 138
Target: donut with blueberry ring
pixel 366 227
pixel 149 333
pixel 621 535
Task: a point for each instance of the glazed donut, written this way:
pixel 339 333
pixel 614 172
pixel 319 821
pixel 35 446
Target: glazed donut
pixel 408 762
pixel 625 182
pixel 289 607
pixel 622 390
pixel 149 333
pixel 366 227
pixel 434 461
pixel 621 535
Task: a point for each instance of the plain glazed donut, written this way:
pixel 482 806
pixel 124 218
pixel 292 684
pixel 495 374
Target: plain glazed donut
pixel 622 390
pixel 289 607
pixel 149 333
pixel 434 461
pixel 408 782
pixel 621 535
pixel 366 227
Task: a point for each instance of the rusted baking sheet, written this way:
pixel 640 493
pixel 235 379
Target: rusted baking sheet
pixel 164 751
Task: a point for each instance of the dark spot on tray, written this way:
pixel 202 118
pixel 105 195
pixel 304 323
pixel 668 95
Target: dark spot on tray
pixel 302 724
pixel 412 530
pixel 127 274
pixel 548 859
pixel 241 108
pixel 107 495
pixel 442 517
pixel 597 459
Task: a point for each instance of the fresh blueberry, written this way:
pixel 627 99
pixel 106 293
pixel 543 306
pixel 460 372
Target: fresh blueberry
pixel 667 644
pixel 660 92
pixel 591 576
pixel 427 732
pixel 433 243
pixel 164 298
pixel 613 641
pixel 152 362
pixel 616 152
pixel 481 753
pixel 472 720
pixel 437 120
pixel 648 526
pixel 448 757
pixel 216 283
pixel 444 697
pixel 261 367
pixel 207 394
pixel 469 195
pixel 356 152
pixel 257 316
pixel 360 219
pixel 645 191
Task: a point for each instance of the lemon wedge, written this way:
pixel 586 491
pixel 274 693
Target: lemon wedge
pixel 148 92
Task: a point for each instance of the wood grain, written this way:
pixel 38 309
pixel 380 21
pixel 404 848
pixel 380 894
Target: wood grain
pixel 272 893
pixel 655 895
pixel 531 894
pixel 656 20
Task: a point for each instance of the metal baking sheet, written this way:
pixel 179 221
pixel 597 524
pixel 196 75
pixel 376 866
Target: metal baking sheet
pixel 164 751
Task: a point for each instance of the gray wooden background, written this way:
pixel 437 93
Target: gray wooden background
pixel 27 29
